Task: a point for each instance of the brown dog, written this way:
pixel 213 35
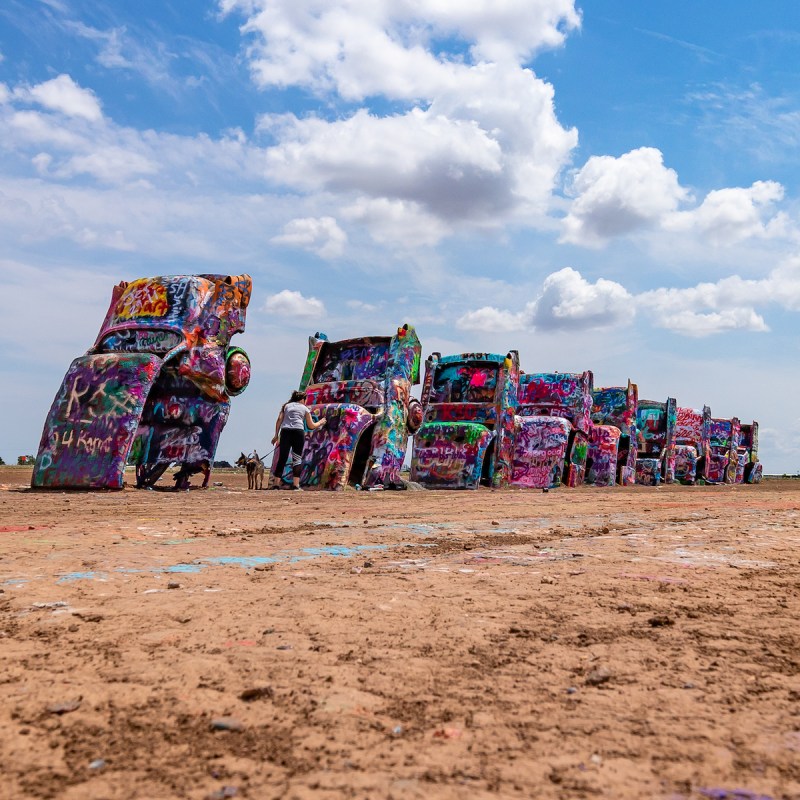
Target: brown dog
pixel 181 477
pixel 255 470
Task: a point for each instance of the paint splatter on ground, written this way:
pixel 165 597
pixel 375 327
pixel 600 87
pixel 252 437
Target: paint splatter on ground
pixel 589 643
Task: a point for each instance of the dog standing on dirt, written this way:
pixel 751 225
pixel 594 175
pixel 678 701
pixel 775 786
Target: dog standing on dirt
pixel 255 470
pixel 181 477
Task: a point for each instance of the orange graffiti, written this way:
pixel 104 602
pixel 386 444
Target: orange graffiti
pixel 142 298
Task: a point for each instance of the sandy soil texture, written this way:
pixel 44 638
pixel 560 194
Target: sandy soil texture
pixel 619 643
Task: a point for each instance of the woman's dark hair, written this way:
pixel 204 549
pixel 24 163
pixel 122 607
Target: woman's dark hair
pixel 298 396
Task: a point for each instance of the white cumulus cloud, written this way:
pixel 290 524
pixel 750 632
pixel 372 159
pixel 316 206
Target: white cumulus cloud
pixel 618 196
pixel 109 165
pixel 633 193
pixel 293 304
pixel 360 48
pixel 491 320
pixel 64 95
pixel 429 160
pixel 568 301
pixel 728 216
pixel 725 305
pixel 460 139
pixel 321 235
pixel 698 324
pixel 396 222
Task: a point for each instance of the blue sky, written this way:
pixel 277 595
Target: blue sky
pixel 605 185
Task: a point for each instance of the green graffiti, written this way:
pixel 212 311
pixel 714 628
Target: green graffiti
pixel 471 431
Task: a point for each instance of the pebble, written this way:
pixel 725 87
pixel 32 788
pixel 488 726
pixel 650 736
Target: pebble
pixel 226 724
pixel 224 792
pixel 598 677
pixel 256 693
pixel 65 707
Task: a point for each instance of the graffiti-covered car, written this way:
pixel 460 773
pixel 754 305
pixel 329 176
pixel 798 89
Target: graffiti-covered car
pixel 748 468
pixel 552 429
pixel 467 436
pixel 362 387
pixel 692 444
pixel 611 456
pixel 155 387
pixel 723 456
pixel 655 427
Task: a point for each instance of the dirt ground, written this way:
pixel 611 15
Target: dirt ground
pixel 620 643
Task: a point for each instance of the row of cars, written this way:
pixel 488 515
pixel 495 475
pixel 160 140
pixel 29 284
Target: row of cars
pixel 482 420
pixel 155 390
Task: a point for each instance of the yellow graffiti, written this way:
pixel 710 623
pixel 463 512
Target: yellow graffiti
pixel 142 298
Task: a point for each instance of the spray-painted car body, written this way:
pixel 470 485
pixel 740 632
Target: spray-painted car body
pixel 553 427
pixel 467 436
pixel 748 468
pixel 611 455
pixel 723 456
pixel 655 424
pixel 154 389
pixel 362 387
pixel 692 444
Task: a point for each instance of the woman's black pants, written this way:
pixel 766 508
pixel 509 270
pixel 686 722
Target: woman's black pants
pixel 291 441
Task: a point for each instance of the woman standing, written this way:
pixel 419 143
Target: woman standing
pixel 290 430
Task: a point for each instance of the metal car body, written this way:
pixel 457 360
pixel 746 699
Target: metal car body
pixel 467 436
pixel 655 427
pixel 155 387
pixel 611 456
pixel 723 457
pixel 748 467
pixel 692 444
pixel 362 387
pixel 552 429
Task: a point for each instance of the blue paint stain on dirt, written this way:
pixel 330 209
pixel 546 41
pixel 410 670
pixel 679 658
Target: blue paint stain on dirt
pixel 247 562
pixel 306 554
pixel 68 577
pixel 733 794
